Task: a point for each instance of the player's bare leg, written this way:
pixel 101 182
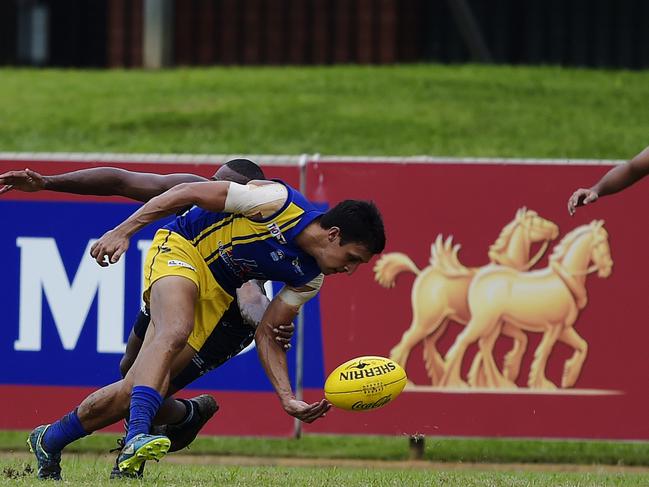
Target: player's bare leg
pixel 110 403
pixel 172 302
pixel 101 408
pixel 143 387
pixel 172 410
pixel 180 362
pixel 133 347
pixel 172 316
pixel 181 421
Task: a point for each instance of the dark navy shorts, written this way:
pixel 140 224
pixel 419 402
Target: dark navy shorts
pixel 231 335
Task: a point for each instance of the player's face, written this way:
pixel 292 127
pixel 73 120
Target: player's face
pixel 346 258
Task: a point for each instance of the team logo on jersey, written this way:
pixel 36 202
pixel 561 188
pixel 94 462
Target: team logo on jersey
pixel 242 268
pixel 296 266
pixel 248 269
pixel 277 255
pixel 274 230
pixel 227 259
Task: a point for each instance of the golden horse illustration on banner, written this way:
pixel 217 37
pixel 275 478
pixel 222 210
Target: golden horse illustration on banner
pixel 439 293
pixel 546 301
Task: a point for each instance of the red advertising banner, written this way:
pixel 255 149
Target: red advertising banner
pixel 510 317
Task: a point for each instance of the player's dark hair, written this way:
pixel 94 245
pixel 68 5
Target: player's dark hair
pixel 359 222
pixel 246 168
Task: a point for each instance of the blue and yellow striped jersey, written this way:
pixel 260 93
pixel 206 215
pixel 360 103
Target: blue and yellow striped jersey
pixel 237 249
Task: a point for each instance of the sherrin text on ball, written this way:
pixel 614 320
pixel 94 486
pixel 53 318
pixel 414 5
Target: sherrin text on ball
pixel 365 383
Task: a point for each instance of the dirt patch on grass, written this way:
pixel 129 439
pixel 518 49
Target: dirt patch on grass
pixel 14 473
pixel 399 465
pixel 349 463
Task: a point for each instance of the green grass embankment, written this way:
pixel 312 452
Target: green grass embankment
pixel 462 111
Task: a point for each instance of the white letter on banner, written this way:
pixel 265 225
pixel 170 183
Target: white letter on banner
pixel 41 268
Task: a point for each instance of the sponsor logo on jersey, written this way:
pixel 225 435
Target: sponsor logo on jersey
pixel 274 230
pixel 277 255
pixel 297 267
pixel 180 263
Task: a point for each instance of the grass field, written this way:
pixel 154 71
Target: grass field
pixel 399 110
pixel 389 448
pixel 89 470
pixel 352 460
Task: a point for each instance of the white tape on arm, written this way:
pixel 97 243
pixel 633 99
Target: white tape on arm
pixel 298 296
pixel 250 199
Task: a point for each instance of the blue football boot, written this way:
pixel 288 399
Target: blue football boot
pixel 141 448
pixel 116 473
pixel 49 464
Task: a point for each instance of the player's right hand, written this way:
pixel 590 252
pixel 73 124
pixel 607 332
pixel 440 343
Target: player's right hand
pixel 581 197
pixel 26 180
pixel 307 412
pixel 109 248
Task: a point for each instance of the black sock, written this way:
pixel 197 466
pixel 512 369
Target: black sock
pixel 189 412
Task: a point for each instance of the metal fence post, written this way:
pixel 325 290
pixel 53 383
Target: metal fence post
pixel 299 345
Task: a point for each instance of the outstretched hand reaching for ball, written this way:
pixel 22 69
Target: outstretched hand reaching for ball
pixel 307 412
pixel 112 245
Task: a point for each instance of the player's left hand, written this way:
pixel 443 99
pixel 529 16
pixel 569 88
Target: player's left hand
pixel 307 412
pixel 109 248
pixel 284 334
pixel 26 180
pixel 581 197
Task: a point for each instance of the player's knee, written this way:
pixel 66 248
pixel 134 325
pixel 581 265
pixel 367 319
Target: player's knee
pixel 172 340
pixel 122 397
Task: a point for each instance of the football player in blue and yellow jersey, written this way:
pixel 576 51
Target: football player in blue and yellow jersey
pixel 178 419
pixel 233 233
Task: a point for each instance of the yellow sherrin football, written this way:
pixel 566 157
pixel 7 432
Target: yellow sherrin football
pixel 365 383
